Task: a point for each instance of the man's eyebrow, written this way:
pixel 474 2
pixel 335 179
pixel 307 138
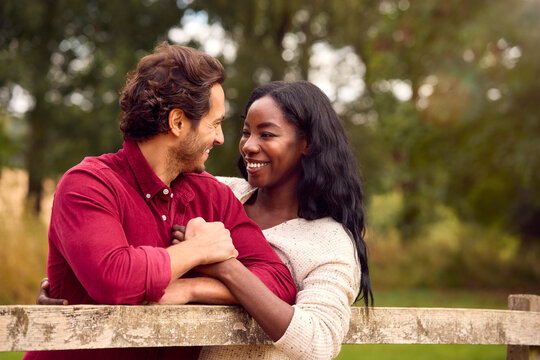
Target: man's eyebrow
pixel 220 119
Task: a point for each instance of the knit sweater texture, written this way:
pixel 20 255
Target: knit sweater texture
pixel 322 259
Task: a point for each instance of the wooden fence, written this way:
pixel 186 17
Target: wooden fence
pixel 25 328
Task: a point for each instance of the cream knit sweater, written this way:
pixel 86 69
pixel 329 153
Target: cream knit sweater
pixel 322 259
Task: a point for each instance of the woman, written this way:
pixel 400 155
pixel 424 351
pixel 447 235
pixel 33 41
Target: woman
pixel 303 190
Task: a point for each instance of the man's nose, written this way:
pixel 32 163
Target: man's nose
pixel 220 138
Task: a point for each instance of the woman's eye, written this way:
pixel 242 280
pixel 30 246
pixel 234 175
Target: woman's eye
pixel 245 133
pixel 267 134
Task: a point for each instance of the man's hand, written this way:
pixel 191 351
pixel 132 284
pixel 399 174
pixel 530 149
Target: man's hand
pixel 202 290
pixel 43 295
pixel 179 292
pixel 204 243
pixel 211 240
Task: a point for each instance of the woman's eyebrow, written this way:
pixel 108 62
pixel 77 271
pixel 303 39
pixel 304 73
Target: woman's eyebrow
pixel 268 124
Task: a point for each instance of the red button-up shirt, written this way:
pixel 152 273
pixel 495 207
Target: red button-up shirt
pixel 111 221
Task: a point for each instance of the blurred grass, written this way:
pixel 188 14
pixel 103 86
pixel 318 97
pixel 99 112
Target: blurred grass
pixel 421 352
pixel 427 297
pixel 11 355
pixel 392 352
pixel 447 252
pixel 23 239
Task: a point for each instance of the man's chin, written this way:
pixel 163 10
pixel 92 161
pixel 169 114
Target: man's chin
pixel 194 170
pixel 199 169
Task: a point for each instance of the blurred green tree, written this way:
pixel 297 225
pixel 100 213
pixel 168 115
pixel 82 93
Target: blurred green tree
pixel 71 57
pixel 448 112
pixel 467 137
pixel 445 109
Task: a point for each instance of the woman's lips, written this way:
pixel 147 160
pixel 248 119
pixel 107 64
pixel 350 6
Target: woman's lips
pixel 254 166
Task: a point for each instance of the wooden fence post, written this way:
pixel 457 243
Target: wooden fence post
pixel 523 303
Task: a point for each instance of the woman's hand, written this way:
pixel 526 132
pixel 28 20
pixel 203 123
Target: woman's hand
pixel 215 270
pixel 43 295
pixel 178 234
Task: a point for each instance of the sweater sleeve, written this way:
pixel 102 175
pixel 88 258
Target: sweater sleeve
pixel 328 276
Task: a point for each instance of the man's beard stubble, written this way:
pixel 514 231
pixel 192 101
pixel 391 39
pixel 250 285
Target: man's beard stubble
pixel 186 157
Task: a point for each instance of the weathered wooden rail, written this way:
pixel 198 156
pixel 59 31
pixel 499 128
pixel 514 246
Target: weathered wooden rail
pixel 25 328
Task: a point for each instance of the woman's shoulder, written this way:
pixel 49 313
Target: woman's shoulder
pixel 325 225
pixel 324 236
pixel 240 187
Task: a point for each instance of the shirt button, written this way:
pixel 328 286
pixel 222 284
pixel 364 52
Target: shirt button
pixel 165 191
pixel 148 196
pixel 164 217
pixel 171 195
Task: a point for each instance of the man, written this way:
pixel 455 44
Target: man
pixel 112 215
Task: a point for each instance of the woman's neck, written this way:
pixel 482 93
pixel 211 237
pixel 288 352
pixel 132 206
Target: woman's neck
pixel 269 207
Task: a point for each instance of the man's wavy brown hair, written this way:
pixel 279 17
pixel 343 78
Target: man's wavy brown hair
pixel 172 77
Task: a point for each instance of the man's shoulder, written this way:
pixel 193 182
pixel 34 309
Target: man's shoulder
pixel 89 165
pixel 239 186
pixel 205 180
pixel 91 168
pixel 210 186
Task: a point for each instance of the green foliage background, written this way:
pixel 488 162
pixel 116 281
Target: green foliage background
pixel 451 169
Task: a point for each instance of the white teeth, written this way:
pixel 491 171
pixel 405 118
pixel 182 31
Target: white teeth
pixel 255 165
pixel 208 151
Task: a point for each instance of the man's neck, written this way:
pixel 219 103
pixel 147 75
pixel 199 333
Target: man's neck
pixel 155 151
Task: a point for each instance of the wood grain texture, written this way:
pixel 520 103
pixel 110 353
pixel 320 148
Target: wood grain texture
pixel 24 328
pixel 443 326
pixel 523 303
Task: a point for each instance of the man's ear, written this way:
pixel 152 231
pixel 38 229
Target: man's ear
pixel 177 121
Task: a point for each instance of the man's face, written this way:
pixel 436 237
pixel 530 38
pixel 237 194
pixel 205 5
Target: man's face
pixel 193 150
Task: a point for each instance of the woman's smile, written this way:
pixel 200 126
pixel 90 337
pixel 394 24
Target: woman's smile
pixel 253 166
pixel 268 138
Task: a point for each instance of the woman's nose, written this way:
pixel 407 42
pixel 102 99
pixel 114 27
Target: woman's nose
pixel 250 146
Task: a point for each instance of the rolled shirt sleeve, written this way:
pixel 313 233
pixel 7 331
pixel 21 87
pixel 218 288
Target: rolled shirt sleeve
pixel 87 229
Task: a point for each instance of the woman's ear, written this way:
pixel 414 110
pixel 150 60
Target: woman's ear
pixel 305 151
pixel 176 121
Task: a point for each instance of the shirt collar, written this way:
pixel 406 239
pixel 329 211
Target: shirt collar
pixel 182 189
pixel 145 176
pixel 149 183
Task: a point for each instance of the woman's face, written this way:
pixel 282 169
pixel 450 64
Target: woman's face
pixel 270 145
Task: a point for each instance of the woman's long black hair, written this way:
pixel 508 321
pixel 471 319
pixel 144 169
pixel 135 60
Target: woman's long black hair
pixel 329 183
